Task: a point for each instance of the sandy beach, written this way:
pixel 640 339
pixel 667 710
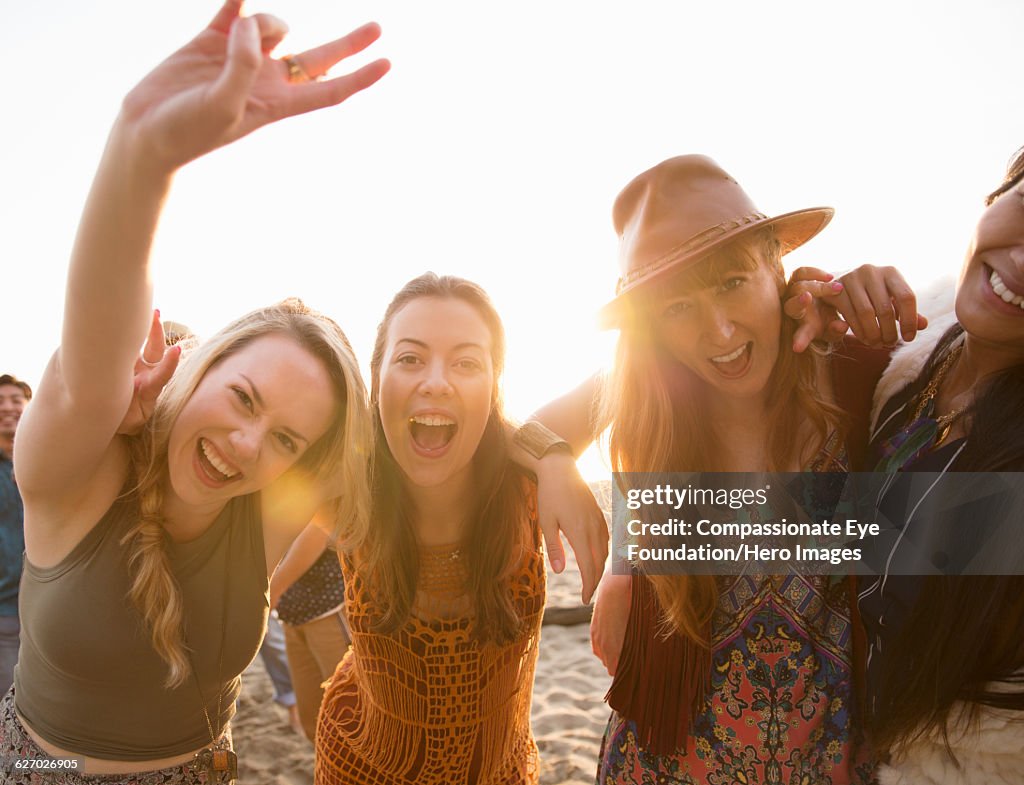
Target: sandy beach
pixel 569 713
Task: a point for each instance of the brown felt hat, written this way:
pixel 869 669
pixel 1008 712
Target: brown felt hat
pixel 676 213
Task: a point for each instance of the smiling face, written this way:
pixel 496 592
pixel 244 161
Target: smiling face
pixel 990 296
pixel 436 388
pixel 253 415
pixel 12 404
pixel 726 333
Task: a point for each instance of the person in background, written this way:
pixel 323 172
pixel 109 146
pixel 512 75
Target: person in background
pixel 275 659
pixel 14 396
pixel 307 593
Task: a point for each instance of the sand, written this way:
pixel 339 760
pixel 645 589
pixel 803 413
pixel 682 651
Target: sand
pixel 568 715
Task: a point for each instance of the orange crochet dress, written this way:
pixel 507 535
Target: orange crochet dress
pixel 429 704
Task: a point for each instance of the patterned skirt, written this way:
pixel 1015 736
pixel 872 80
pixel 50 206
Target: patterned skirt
pixel 17 748
pixel 780 705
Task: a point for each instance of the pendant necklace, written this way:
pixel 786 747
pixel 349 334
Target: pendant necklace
pixel 218 760
pixel 926 398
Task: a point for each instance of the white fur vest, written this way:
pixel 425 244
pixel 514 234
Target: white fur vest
pixel 990 752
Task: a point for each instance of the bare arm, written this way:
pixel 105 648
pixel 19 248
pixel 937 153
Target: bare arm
pixel 87 385
pixel 217 88
pixel 574 415
pixel 565 502
pixel 303 554
pixel 611 616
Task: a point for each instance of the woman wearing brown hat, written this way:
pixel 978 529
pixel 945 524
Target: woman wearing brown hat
pixel 755 681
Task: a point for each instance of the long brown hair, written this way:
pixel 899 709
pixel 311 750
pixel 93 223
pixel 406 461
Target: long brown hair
pixel 340 454
pixel 658 422
pixel 973 624
pixel 386 552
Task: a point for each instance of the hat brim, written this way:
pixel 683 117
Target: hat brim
pixel 791 229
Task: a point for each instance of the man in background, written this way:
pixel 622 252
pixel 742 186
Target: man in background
pixel 14 395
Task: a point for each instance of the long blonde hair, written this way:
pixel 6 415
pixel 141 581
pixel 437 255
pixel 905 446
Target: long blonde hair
pixel 343 452
pixel 654 403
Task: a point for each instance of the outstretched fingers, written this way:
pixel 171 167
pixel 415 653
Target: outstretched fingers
pixel 320 59
pixel 314 63
pixel 317 95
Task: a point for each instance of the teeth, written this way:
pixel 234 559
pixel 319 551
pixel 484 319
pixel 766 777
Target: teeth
pixel 728 358
pixel 1003 291
pixel 218 464
pixel 432 419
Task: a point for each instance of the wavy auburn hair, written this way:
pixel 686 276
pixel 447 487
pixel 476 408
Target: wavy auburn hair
pixel 386 551
pixel 340 454
pixel 656 407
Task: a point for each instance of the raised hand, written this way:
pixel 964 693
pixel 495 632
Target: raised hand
pixel 874 300
pixel 223 85
pixel 871 301
pixel 153 369
pixel 808 302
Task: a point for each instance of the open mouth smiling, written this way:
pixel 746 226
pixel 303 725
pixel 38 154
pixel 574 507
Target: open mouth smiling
pixel 734 363
pixel 213 465
pixel 432 432
pixel 1003 291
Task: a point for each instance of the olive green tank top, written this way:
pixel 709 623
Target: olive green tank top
pixel 88 679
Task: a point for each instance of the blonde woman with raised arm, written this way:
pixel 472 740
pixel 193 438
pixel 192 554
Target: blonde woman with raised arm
pixel 147 556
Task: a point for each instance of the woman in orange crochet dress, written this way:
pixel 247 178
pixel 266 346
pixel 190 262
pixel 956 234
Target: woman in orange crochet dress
pixel 445 589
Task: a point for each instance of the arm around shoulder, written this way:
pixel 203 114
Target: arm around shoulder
pixel 575 416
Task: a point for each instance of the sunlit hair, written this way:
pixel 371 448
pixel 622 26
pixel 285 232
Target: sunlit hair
pixel 657 407
pixel 341 454
pixel 386 552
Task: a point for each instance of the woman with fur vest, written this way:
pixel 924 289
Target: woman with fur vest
pixel 946 653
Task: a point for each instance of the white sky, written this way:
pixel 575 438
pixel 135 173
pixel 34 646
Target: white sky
pixel 496 145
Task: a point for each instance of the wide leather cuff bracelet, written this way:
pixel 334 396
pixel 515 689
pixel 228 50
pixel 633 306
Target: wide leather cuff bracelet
pixel 538 440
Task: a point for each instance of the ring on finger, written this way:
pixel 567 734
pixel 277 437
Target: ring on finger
pixel 296 73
